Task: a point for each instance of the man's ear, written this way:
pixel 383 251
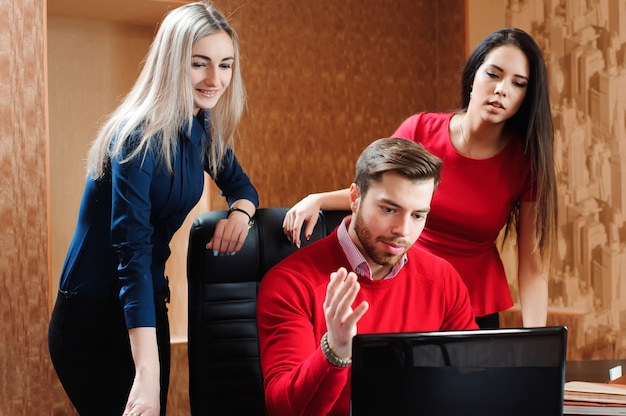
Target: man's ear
pixel 355 197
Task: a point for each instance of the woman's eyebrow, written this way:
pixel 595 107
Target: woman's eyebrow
pixel 502 70
pixel 228 58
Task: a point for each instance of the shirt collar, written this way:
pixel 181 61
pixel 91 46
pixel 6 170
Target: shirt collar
pixel 200 126
pixel 355 257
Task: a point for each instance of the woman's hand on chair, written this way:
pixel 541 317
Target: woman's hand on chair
pixel 229 236
pixel 307 210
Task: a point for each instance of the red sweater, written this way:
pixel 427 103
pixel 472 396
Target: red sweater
pixel 427 295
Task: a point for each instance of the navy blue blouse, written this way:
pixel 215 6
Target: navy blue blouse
pixel 127 219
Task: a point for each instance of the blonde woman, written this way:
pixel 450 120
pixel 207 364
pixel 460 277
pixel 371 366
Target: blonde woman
pixel 109 331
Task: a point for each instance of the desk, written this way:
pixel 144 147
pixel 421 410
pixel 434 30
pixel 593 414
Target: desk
pixel 591 370
pixel 596 371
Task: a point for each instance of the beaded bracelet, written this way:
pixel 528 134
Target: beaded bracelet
pixel 233 209
pixel 330 355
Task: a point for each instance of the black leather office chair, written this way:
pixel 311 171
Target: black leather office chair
pixel 224 369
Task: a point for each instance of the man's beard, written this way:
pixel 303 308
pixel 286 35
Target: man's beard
pixel 368 243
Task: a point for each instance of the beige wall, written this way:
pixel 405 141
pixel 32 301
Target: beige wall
pixel 483 17
pixel 91 65
pixel 583 43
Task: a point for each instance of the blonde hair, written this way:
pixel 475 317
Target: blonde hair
pixel 161 102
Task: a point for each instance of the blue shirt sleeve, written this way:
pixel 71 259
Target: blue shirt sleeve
pixel 131 233
pixel 233 181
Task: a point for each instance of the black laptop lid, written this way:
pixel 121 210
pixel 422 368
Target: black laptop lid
pixel 478 372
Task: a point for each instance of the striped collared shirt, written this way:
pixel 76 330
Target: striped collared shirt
pixel 355 257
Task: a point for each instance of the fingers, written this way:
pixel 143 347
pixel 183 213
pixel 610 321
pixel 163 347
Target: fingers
pixel 310 225
pixel 336 280
pixel 292 225
pixel 341 319
pixel 340 295
pixel 307 210
pixel 293 222
pixel 360 310
pixel 228 237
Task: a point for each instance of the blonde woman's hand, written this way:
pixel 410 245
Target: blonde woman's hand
pixel 144 398
pixel 230 234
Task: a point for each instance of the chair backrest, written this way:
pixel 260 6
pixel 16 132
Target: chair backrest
pixel 224 370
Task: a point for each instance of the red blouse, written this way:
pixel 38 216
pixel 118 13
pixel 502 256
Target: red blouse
pixel 470 207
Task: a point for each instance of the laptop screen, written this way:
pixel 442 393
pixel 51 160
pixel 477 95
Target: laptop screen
pixel 477 372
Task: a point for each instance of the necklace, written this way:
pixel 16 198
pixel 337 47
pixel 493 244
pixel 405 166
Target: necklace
pixel 467 146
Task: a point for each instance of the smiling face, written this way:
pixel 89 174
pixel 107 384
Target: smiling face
pixel 500 84
pixel 211 69
pixel 389 218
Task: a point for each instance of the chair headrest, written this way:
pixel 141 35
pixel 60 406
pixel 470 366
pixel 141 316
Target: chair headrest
pixel 265 245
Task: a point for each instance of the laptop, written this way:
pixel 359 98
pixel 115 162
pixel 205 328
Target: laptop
pixel 475 372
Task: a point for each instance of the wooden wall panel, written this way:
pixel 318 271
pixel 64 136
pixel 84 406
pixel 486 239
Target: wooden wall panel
pixel 451 53
pixel 326 78
pixel 25 370
pixel 178 396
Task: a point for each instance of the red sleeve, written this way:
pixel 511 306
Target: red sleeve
pixel 297 377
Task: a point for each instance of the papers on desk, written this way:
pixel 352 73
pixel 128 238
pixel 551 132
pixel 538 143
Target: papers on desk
pixel 584 398
pixel 595 392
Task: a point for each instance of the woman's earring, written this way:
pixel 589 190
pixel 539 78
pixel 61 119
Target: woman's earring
pixel 470 95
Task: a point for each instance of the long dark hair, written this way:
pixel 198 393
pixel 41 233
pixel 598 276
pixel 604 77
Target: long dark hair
pixel 532 123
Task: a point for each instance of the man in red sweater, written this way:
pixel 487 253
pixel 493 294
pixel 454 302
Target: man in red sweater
pixel 364 277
